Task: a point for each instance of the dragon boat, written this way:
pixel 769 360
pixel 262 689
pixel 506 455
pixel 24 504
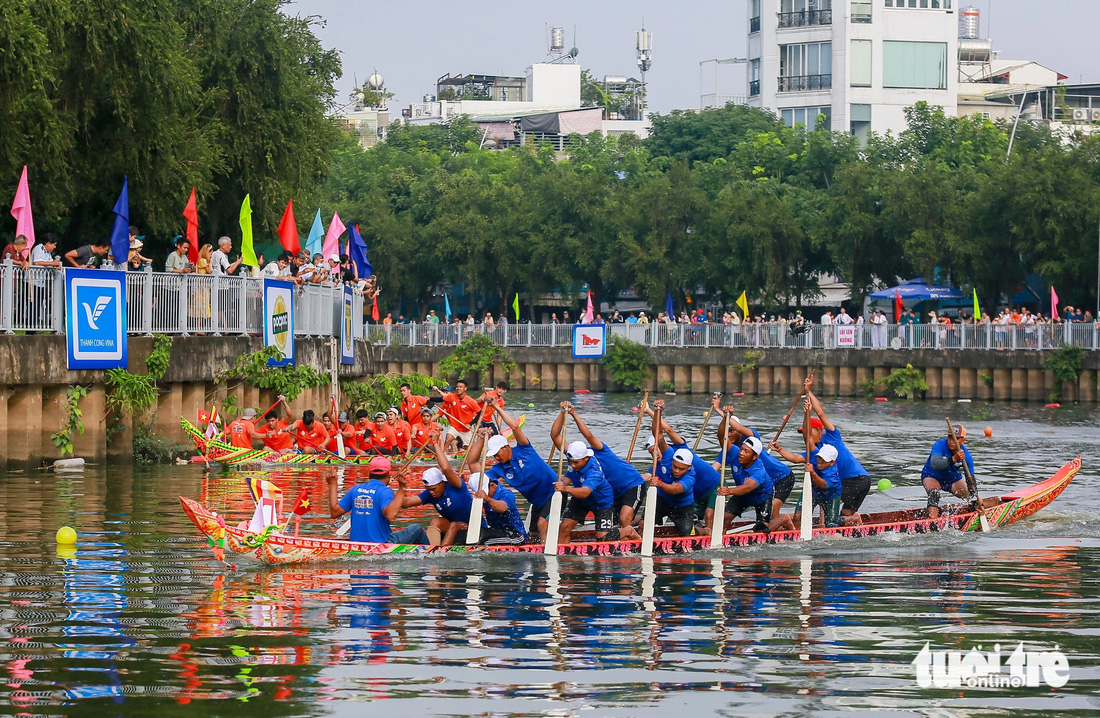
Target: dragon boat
pixel 272 546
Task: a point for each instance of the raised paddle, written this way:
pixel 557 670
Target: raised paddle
pixel 806 529
pixel 473 526
pixel 339 430
pixel 971 482
pixel 649 518
pixel 637 425
pixel 706 420
pixel 718 523
pixel 550 545
pixel 793 407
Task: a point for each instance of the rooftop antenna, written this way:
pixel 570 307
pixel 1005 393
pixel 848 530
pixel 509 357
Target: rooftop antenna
pixel 643 45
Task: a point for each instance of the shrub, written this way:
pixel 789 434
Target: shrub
pixel 906 383
pixel 626 362
pixel 475 354
pixel 1065 364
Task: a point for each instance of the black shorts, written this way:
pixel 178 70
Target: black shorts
pixel 631 498
pixel 736 505
pixel 502 537
pixel 575 510
pixel 783 487
pixel 853 491
pixel 682 516
pixel 490 426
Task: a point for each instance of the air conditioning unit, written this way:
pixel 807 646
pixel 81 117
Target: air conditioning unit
pixel 1096 115
pixel 1081 115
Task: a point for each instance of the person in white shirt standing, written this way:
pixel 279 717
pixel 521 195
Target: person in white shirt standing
pixel 44 264
pixel 878 330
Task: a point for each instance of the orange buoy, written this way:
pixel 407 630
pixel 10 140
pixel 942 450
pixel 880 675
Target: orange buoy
pixel 738 393
pixel 988 431
pixel 881 398
pixel 1053 406
pixel 581 391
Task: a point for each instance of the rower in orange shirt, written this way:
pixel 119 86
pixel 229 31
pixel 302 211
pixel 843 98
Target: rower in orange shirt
pixel 362 432
pixel 275 434
pixel 239 432
pixel 341 427
pixel 461 409
pixel 422 431
pixel 383 440
pixel 309 433
pixel 496 394
pixel 402 432
pixel 411 404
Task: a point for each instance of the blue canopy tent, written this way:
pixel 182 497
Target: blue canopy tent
pixel 916 290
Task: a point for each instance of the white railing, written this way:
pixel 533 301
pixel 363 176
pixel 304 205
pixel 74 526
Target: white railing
pixel 758 336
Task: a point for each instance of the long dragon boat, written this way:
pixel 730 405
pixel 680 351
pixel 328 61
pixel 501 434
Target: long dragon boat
pixel 271 546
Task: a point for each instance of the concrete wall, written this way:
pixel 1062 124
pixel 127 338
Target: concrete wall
pixel 33 380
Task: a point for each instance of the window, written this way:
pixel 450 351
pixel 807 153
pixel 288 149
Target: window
pixel 861 10
pixel 807 66
pixel 860 119
pixel 754 20
pixel 918 4
pixel 754 77
pixel 918 65
pixel 860 60
pixel 800 13
pixel 808 117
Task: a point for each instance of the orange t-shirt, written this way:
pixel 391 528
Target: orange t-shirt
pixel 462 411
pixel 410 408
pixel 277 439
pixel 310 437
pixel 383 436
pixel 421 433
pixel 362 442
pixel 402 432
pixel 240 433
pixel 331 444
pixel 491 394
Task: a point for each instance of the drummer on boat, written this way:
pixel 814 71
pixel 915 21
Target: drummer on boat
pixel 374 505
pixel 943 470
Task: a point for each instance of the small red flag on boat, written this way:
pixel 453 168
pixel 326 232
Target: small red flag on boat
pixel 301 504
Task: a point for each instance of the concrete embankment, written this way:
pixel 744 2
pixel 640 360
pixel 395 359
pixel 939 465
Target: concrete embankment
pixel 34 381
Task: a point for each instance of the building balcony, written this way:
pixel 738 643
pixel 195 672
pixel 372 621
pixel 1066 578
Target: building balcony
pixel 754 24
pixel 754 88
pixel 804 83
pixel 805 18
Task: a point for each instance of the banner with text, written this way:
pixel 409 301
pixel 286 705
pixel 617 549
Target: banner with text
pixel 846 335
pixel 279 319
pixel 347 329
pixel 589 341
pixel 95 318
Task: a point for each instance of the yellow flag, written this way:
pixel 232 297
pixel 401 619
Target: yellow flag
pixel 743 304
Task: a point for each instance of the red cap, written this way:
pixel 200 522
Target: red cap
pixel 380 465
pixel 815 423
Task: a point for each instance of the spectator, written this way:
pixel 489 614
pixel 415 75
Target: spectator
pixel 219 260
pixel 17 252
pixel 89 255
pixel 43 259
pixel 257 271
pixel 135 261
pixel 177 262
pixel 280 268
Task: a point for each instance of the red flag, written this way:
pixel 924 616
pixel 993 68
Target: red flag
pixel 374 309
pixel 288 230
pixel 191 212
pixel 301 504
pixel 898 306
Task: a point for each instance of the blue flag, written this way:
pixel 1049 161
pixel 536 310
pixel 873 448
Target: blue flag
pixel 669 309
pixel 447 306
pixel 316 236
pixel 357 252
pixel 120 233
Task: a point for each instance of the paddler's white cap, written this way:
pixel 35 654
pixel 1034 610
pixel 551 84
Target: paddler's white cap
pixel 433 476
pixel 478 482
pixel 753 443
pixel 496 443
pixel 683 456
pixel 828 453
pixel 649 441
pixel 577 450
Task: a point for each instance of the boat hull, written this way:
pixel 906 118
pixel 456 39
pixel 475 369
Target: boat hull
pixel 273 547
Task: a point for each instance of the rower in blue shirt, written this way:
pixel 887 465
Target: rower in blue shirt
pixel 447 492
pixel 674 480
pixel 752 486
pixel 626 482
pixel 588 490
pixel 854 479
pixel 373 506
pixel 707 479
pixel 943 470
pixel 501 522
pixel 520 467
pixel 827 484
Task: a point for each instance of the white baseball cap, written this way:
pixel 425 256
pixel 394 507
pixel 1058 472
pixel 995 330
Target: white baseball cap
pixel 496 443
pixel 684 456
pixel 828 453
pixel 433 476
pixel 477 482
pixel 753 443
pixel 649 441
pixel 577 450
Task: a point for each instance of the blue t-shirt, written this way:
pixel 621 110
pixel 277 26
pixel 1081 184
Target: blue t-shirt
pixel 706 478
pixel 453 505
pixel 952 473
pixel 831 476
pixel 757 473
pixel 591 476
pixel 528 474
pixel 510 519
pixel 365 503
pixel 846 464
pixel 664 472
pixel 776 469
pixel 621 475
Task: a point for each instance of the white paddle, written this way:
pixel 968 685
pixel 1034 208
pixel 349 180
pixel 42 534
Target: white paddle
pixel 806 530
pixel 718 524
pixel 649 519
pixel 473 528
pixel 550 546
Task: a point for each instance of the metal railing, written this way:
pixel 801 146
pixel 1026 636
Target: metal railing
pixel 861 11
pixel 33 300
pixel 761 336
pixel 754 24
pixel 802 83
pixel 754 88
pixel 805 18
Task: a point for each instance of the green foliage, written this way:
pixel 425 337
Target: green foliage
pixel 906 383
pixel 987 378
pixel 289 381
pixel 627 362
pixel 229 405
pixel 869 388
pixel 151 448
pixel 136 394
pixel 666 386
pixel 382 391
pixel 74 420
pixel 751 357
pixel 475 354
pixel 1065 364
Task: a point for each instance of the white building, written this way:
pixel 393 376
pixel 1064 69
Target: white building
pixel 857 63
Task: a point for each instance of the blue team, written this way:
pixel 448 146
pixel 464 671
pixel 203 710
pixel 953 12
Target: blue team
pixel 752 486
pixel 943 470
pixel 374 505
pixel 674 478
pixel 855 482
pixel 825 478
pixel 447 492
pixel 501 522
pixel 705 488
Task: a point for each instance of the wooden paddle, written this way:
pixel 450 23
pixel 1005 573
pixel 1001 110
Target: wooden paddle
pixel 550 546
pixel 718 524
pixel 706 420
pixel 343 452
pixel 806 529
pixel 649 519
pixel 473 526
pixel 793 407
pixel 637 425
pixel 971 482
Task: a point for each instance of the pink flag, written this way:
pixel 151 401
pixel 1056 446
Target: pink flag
pixel 21 210
pixel 1053 303
pixel 332 239
pixel 589 313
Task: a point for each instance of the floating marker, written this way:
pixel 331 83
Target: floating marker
pixel 738 393
pixel 884 484
pixel 964 401
pixel 581 391
pixel 530 406
pixel 881 398
pixel 1053 406
pixel 988 431
pixel 66 536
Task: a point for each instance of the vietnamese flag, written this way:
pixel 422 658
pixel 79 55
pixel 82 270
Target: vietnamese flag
pixel 301 504
pixel 898 306
pixel 288 230
pixel 191 212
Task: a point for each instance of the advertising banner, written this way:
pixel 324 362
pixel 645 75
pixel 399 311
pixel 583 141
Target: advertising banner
pixel 279 319
pixel 589 341
pixel 347 329
pixel 95 318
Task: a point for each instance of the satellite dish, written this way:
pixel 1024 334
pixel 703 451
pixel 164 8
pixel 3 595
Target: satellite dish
pixel 574 52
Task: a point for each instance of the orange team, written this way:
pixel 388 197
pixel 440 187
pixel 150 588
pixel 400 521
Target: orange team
pixel 239 432
pixel 309 433
pixel 412 404
pixel 341 427
pixel 275 434
pixel 461 409
pixel 382 438
pixel 422 432
pixel 402 432
pixel 362 432
pixel 497 394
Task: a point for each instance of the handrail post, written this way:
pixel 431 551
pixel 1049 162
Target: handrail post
pixel 7 290
pixel 183 308
pixel 215 306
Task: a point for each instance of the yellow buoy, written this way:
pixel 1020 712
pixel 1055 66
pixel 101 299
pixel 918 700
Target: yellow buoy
pixel 66 536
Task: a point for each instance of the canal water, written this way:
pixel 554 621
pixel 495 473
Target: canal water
pixel 139 620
